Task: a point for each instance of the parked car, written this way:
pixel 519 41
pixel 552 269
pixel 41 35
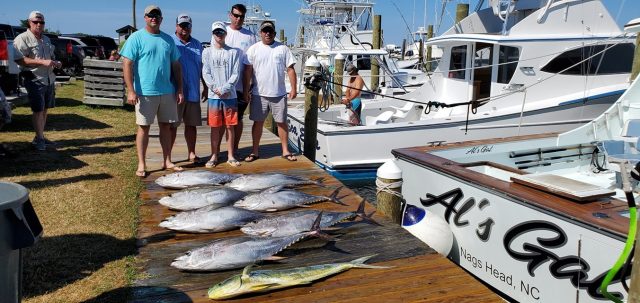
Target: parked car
pixel 17 30
pixel 70 53
pixel 91 46
pixel 9 70
pixel 107 43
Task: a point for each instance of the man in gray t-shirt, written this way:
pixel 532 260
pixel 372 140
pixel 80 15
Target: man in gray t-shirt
pixel 34 53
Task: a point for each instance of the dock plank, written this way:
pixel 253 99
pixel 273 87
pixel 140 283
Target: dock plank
pixel 416 272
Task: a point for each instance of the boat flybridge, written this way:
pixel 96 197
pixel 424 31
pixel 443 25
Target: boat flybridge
pixel 526 69
pixel 541 218
pixel 329 28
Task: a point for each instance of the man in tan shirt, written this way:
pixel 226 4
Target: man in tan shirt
pixel 34 53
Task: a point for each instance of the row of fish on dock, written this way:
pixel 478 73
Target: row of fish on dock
pixel 215 202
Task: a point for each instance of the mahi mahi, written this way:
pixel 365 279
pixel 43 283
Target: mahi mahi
pixel 277 198
pixel 258 182
pixel 299 221
pixel 237 252
pixel 210 219
pixel 194 198
pixel 191 178
pixel 268 280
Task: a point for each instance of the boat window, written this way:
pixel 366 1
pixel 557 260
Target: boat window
pixel 363 63
pixel 508 61
pixel 458 62
pixel 615 60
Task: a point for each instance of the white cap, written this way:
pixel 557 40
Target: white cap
pixel 36 15
pixel 218 25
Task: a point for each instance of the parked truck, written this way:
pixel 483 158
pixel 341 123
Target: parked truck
pixel 9 70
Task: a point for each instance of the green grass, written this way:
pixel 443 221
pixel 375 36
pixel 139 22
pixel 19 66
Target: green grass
pixel 86 197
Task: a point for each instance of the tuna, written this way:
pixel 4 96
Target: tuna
pixel 296 222
pixel 194 198
pixel 258 182
pixel 191 178
pixel 210 219
pixel 277 198
pixel 237 252
pixel 259 281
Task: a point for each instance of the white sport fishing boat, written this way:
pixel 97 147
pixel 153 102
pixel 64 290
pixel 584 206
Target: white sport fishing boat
pixel 523 69
pixel 541 218
pixel 344 27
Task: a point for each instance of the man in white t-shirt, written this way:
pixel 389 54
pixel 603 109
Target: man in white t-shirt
pixel 268 61
pixel 241 38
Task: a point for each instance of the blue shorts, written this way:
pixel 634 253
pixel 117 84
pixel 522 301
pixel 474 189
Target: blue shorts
pixel 222 112
pixel 40 95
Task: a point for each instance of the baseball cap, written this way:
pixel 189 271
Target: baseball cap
pixel 267 24
pixel 183 18
pixel 36 15
pixel 151 8
pixel 218 26
pixel 351 68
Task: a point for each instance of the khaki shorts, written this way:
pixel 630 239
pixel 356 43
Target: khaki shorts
pixel 164 106
pixel 260 107
pixel 189 113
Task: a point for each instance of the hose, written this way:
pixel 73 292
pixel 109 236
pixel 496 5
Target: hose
pixel 625 252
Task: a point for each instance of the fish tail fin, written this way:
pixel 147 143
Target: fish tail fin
pixel 316 231
pixel 359 263
pixel 334 196
pixel 367 218
pixel 319 182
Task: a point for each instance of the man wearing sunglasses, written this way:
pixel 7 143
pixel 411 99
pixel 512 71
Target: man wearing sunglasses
pixel 241 38
pixel 151 62
pixel 34 53
pixel 269 60
pixel 191 64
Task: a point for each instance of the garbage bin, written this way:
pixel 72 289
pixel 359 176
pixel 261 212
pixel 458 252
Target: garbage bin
pixel 19 228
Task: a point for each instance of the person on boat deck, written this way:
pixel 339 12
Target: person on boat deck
pixel 220 70
pixel 268 61
pixel 150 63
pixel 352 94
pixel 241 38
pixel 191 63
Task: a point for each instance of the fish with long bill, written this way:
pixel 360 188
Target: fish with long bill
pixel 267 280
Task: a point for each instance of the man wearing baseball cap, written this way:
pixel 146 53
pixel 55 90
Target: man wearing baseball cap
pixel 37 64
pixel 191 63
pixel 269 60
pixel 151 61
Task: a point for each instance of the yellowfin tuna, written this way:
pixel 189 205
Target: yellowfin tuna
pixel 268 280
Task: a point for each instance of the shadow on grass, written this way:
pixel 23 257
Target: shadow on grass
pixel 56 261
pixel 141 294
pixel 55 122
pixel 55 182
pixel 25 159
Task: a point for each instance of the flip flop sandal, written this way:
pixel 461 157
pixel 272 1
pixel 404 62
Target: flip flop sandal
pixel 211 164
pixel 234 162
pixel 251 158
pixel 290 157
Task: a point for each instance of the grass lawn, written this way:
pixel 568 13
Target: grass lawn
pixel 86 197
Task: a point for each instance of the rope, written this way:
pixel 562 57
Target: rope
pixel 388 187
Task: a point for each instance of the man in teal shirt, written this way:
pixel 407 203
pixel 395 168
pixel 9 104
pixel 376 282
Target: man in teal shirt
pixel 151 60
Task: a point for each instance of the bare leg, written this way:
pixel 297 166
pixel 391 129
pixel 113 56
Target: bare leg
pixel 174 133
pixel 283 133
pixel 190 135
pixel 142 141
pixel 238 134
pixel 216 135
pixel 230 142
pixel 256 135
pixel 39 119
pixel 167 146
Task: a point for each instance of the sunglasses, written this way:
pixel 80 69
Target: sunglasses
pixel 237 15
pixel 268 31
pixel 151 16
pixel 219 32
pixel 38 22
pixel 185 25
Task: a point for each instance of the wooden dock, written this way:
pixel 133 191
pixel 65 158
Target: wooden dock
pixel 417 273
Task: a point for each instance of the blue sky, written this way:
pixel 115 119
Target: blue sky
pixel 104 17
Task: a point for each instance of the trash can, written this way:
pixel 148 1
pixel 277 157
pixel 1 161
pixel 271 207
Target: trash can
pixel 19 228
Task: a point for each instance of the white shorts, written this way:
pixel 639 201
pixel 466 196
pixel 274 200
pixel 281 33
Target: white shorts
pixel 164 106
pixel 260 107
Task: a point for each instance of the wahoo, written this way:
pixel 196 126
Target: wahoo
pixel 268 280
pixel 276 198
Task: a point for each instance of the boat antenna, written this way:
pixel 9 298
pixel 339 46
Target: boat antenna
pixel 405 22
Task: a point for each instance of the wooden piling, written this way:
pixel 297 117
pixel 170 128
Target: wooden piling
pixel 282 36
pixel 428 65
pixel 462 11
pixel 301 37
pixel 404 48
pixel 375 68
pixel 389 191
pixel 310 111
pixel 635 68
pixel 338 73
pixel 421 52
